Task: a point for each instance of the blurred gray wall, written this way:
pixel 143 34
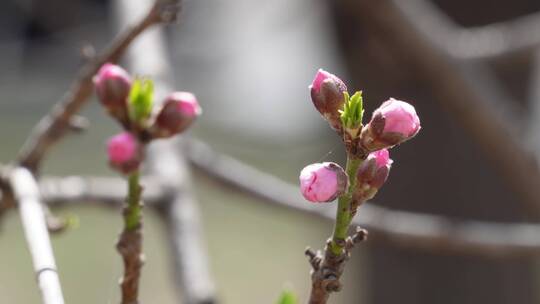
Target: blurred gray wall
pixel 251 63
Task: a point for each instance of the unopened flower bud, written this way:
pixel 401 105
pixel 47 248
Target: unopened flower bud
pixel 323 182
pixel 112 86
pixel 394 122
pixel 327 96
pixel 178 112
pixel 372 174
pixel 124 152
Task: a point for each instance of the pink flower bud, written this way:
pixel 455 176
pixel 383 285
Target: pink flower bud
pixel 321 76
pixel 400 117
pixel 372 174
pixel 382 158
pixel 323 182
pixel 123 152
pixel 179 111
pixel 112 85
pixel 327 96
pixel 394 122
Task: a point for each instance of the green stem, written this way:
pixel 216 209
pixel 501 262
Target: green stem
pixel 344 216
pixel 133 212
pixel 130 243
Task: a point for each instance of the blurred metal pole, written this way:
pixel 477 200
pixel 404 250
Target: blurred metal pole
pixel 26 192
pixel 148 56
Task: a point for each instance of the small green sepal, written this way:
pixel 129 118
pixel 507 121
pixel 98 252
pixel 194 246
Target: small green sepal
pixel 140 100
pixel 352 113
pixel 287 297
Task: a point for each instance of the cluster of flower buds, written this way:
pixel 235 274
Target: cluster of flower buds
pixel 324 182
pixel 131 103
pixel 392 123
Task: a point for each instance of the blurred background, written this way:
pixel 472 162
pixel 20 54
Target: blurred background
pixel 469 67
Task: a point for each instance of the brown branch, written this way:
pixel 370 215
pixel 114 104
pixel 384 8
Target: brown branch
pixel 515 37
pixel 327 268
pixel 26 193
pixel 53 126
pixel 130 248
pixel 400 228
pixel 109 191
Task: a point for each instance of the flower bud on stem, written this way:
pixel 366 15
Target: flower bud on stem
pixel 322 183
pixel 179 111
pixel 372 174
pixel 327 95
pixel 112 85
pixel 124 152
pixel 394 122
pixel 132 104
